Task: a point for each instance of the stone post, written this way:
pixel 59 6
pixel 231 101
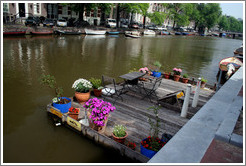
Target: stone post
pixel 186 101
pixel 196 96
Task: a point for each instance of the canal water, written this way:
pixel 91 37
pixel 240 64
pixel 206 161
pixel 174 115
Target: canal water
pixel 29 136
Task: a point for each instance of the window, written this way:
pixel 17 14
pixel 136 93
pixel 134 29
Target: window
pixel 36 8
pixel 5 8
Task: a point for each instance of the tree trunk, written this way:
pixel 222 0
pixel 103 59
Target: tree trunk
pixel 144 20
pixel 81 13
pixel 117 15
pixel 174 24
pixel 111 12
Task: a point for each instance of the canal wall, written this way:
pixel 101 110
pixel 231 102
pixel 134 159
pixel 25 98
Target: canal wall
pixel 215 120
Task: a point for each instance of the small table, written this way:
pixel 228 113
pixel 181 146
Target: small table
pixel 132 78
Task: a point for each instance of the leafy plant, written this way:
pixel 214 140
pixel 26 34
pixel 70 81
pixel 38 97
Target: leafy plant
pixel 204 80
pixel 185 76
pixel 96 83
pixel 157 64
pixel 119 130
pixel 50 81
pixel 154 127
pixel 82 85
pixel 131 145
pixel 177 71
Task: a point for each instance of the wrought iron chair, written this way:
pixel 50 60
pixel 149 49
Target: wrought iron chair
pixel 150 88
pixel 111 88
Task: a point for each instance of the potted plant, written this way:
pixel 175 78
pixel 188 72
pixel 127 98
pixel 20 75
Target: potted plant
pixel 61 103
pixel 98 113
pixel 73 112
pixel 82 89
pixel 156 72
pixel 167 75
pixel 176 74
pixel 152 144
pixel 203 82
pixel 119 133
pixel 144 70
pixel 131 145
pixel 97 86
pixel 185 78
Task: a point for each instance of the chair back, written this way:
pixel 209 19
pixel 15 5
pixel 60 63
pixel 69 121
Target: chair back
pixel 106 80
pixel 157 83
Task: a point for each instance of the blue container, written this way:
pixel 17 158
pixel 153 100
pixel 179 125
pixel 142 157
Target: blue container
pixel 63 107
pixel 156 74
pixel 148 153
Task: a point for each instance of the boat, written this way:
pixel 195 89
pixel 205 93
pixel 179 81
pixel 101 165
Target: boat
pixel 185 33
pixel 95 32
pixel 42 33
pixel 227 67
pixel 165 33
pixel 239 51
pixel 178 33
pixel 215 34
pixel 66 32
pixel 149 32
pixel 113 32
pixel 14 33
pixel 132 34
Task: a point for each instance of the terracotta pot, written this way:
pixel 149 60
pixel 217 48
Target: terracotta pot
pixel 82 97
pixel 176 77
pixel 185 80
pixel 100 129
pixel 203 84
pixel 166 76
pixel 120 139
pixel 97 92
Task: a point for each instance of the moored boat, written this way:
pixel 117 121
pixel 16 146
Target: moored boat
pixel 239 51
pixel 60 32
pixel 178 33
pixel 165 33
pixel 185 33
pixel 132 34
pixel 42 33
pixel 149 32
pixel 14 33
pixel 95 32
pixel 113 32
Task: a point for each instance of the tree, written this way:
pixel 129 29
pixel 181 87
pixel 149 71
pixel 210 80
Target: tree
pixel 223 23
pixel 157 17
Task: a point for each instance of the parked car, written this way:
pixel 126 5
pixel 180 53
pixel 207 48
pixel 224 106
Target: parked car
pixel 133 25
pixel 123 25
pixel 48 22
pixel 111 23
pixel 33 21
pixel 152 27
pixel 81 23
pixel 61 23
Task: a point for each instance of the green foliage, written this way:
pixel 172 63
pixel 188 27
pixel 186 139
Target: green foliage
pixel 157 17
pixel 223 23
pixel 185 76
pixel 50 81
pixel 204 80
pixel 154 128
pixel 157 64
pixel 96 83
pixel 119 130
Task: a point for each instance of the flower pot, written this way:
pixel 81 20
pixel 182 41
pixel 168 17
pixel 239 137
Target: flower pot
pixel 185 80
pixel 74 115
pixel 82 97
pixel 176 77
pixel 97 92
pixel 147 152
pixel 100 129
pixel 156 74
pixel 166 76
pixel 203 84
pixel 120 139
pixel 63 107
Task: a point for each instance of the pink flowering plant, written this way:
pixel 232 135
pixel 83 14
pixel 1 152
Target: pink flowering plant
pixel 177 71
pixel 145 70
pixel 99 110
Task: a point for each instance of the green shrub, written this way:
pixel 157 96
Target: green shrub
pixel 96 83
pixel 185 76
pixel 119 130
pixel 204 80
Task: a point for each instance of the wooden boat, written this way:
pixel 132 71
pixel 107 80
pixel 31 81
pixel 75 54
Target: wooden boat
pixel 113 32
pixel 60 32
pixel 132 34
pixel 14 33
pixel 178 33
pixel 42 33
pixel 185 33
pixel 230 60
pixel 239 51
pixel 149 32
pixel 165 33
pixel 95 32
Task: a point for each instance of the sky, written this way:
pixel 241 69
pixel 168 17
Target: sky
pixel 232 9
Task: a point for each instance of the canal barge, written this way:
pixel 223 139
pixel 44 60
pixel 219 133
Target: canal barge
pixel 14 33
pixel 133 113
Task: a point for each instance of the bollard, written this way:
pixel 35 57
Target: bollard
pixel 196 96
pixel 85 121
pixel 186 101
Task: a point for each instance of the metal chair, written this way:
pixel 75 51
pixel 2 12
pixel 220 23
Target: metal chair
pixel 111 88
pixel 150 88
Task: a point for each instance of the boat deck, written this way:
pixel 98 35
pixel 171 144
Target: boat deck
pixel 133 113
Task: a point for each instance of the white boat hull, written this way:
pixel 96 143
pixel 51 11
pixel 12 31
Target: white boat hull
pixel 94 32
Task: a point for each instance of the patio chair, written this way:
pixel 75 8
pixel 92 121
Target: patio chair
pixel 150 88
pixel 110 88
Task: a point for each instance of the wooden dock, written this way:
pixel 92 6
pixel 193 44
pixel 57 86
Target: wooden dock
pixel 132 112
